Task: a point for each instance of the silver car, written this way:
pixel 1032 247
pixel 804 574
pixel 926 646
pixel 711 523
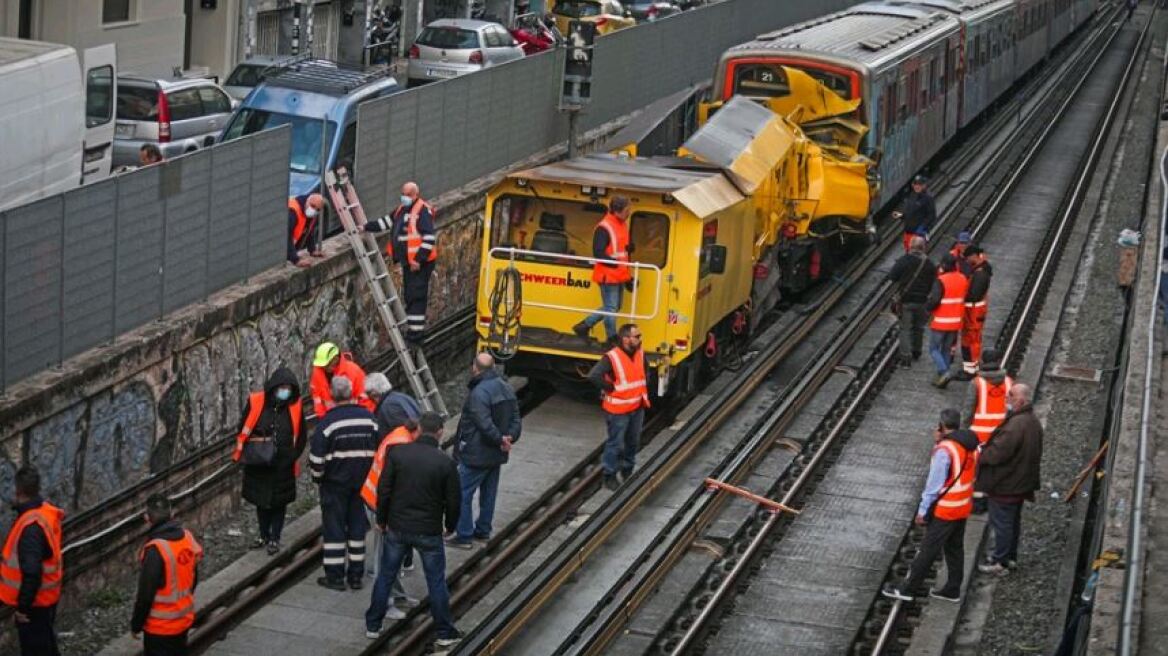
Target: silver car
pixel 456 46
pixel 178 116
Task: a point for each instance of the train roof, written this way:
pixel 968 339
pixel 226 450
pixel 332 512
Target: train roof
pixel 702 190
pixel 866 33
pixel 963 9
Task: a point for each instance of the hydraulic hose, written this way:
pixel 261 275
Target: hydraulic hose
pixel 506 307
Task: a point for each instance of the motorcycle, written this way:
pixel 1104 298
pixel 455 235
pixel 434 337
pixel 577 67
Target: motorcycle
pixel 533 34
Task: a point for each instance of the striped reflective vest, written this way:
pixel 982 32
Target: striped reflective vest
pixel 411 236
pixel 301 219
pixel 957 502
pixel 617 251
pixel 948 314
pixel 990 411
pixel 322 395
pixel 397 436
pixel 48 517
pixel 173 609
pixel 629 392
pixel 255 409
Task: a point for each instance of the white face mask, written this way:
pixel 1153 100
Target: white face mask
pixel 406 201
pixel 311 212
pixel 1009 407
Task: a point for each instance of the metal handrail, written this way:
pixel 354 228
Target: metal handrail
pixel 510 256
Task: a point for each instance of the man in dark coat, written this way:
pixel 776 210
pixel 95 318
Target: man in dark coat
pixel 488 427
pixel 154 579
pixel 272 488
pixel 913 274
pixel 1009 473
pixel 918 213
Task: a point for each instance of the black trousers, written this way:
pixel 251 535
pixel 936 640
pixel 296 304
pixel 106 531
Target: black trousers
pixel 160 645
pixel 37 635
pixel 417 297
pixel 344 524
pixel 271 522
pixel 940 536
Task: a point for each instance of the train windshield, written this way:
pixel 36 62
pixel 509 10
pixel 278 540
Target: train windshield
pixel 552 227
pixel 763 80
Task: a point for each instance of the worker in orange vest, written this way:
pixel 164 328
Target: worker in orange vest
pixel 621 377
pixel 977 299
pixel 947 302
pixel 165 607
pixel 383 587
pixel 413 243
pixel 31 570
pixel 269 444
pixel 303 215
pixel 986 405
pixel 610 269
pixel 946 503
pixel 328 361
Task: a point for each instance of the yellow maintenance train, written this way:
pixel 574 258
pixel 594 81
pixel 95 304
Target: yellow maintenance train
pixel 757 203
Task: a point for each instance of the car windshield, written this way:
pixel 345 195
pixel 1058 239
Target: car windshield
pixel 578 8
pixel 448 38
pixel 246 75
pixel 137 103
pixel 311 138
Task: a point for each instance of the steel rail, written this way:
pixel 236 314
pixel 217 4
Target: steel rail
pixel 1070 204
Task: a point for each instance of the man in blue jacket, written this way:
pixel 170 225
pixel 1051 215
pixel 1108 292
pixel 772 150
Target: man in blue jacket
pixel 489 425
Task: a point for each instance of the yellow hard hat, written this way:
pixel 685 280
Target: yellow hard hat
pixel 325 354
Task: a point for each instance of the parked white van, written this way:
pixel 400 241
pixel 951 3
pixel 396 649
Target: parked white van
pixel 56 118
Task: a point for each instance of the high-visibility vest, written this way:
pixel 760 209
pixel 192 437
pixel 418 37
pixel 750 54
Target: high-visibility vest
pixel 957 502
pixel 255 409
pixel 990 411
pixel 629 392
pixel 301 219
pixel 397 436
pixel 48 517
pixel 948 315
pixel 322 395
pixel 412 237
pixel 173 608
pixel 977 309
pixel 617 251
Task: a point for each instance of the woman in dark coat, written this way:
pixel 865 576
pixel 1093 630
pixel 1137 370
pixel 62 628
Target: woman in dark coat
pixel 272 487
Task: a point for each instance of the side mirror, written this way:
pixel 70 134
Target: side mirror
pixel 717 258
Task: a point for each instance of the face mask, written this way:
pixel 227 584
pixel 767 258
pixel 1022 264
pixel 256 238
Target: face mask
pixel 283 394
pixel 406 201
pixel 310 212
pixel 1009 407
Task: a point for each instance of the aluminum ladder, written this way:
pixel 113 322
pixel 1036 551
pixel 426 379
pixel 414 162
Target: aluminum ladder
pixel 385 295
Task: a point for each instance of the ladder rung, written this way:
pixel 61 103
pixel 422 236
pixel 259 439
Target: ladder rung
pixel 418 370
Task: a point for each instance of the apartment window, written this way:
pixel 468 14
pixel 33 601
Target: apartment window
pixel 115 11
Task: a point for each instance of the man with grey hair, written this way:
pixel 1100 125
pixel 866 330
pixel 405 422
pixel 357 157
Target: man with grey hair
pixel 340 453
pixel 394 408
pixel 1009 474
pixel 912 279
pixel 487 428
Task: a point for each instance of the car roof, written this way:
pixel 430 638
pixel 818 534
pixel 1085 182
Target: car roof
pixel 133 79
pixel 462 23
pixel 267 60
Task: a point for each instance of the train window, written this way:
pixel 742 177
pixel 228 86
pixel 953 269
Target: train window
pixel 901 100
pixel 649 232
pixel 709 238
pixel 760 81
pixel 549 225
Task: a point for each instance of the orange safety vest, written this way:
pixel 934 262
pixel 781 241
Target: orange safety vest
pixel 947 317
pixel 173 609
pixel 629 392
pixel 322 395
pixel 397 436
pixel 957 502
pixel 301 220
pixel 618 250
pixel 990 411
pixel 48 517
pixel 255 409
pixel 412 237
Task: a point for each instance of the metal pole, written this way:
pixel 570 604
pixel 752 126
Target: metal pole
pixel 295 28
pixel 572 145
pixel 308 28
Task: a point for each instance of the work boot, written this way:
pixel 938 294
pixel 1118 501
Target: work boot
pixel 582 330
pixel 942 381
pixel 904 362
pixel 326 582
pixel 610 482
pixel 963 376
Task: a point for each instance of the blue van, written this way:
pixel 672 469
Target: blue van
pixel 317 98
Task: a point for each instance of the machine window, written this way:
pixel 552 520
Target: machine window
pixel 649 233
pixel 709 238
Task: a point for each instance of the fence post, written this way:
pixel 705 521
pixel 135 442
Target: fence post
pixel 3 303
pixel 61 286
pixel 207 218
pixel 114 278
pixel 250 212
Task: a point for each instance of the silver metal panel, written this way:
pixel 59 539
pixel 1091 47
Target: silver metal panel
pixel 32 293
pixel 428 166
pixel 139 240
pixel 476 140
pixel 229 211
pixel 403 143
pixel 267 225
pixel 372 160
pixel 185 244
pixel 89 266
pixel 450 147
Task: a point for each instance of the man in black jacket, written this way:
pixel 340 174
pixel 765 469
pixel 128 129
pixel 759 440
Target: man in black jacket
pixel 1008 473
pixel 918 213
pixel 913 274
pixel 166 629
pixel 418 496
pixel 488 427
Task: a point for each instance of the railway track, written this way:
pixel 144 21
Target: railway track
pixel 606 619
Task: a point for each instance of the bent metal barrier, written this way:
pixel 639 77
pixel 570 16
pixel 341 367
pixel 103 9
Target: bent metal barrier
pixel 79 269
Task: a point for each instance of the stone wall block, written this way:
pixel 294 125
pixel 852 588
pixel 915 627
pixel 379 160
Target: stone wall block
pixel 54 448
pixel 121 435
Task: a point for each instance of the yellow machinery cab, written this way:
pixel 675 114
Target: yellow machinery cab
pixel 691 231
pixel 608 15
